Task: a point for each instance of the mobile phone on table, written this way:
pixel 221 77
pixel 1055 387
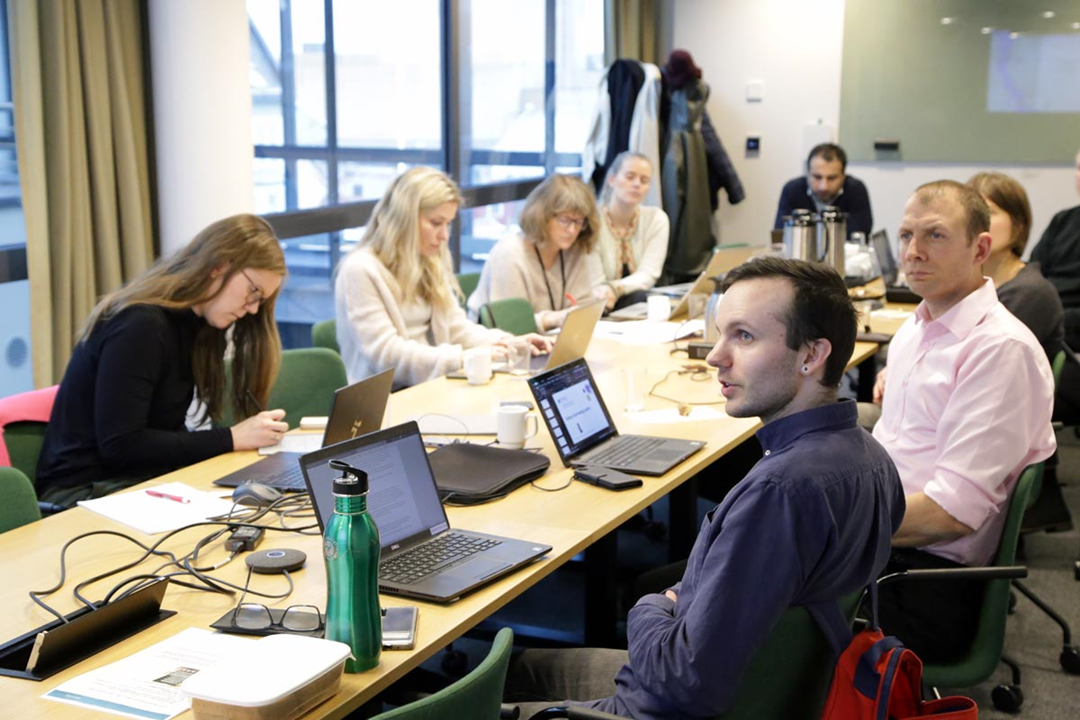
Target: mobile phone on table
pixel 399 627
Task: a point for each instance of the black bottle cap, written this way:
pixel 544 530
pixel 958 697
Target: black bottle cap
pixel 353 481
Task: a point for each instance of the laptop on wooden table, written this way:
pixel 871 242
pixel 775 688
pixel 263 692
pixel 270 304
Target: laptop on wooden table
pixel 584 433
pixel 357 409
pixel 421 556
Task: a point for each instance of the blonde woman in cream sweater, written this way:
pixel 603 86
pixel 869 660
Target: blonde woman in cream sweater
pixel 551 262
pixel 396 301
pixel 633 239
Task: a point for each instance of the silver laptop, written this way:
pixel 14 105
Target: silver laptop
pixel 421 555
pixel 721 261
pixel 357 409
pixel 572 341
pixel 584 433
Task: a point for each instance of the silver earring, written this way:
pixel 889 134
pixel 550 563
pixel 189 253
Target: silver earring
pixel 805 369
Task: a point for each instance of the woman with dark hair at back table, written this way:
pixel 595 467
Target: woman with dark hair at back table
pixel 551 262
pixel 1020 286
pixel 633 238
pixel 151 347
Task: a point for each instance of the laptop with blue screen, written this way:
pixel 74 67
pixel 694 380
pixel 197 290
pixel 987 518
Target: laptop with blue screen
pixel 585 434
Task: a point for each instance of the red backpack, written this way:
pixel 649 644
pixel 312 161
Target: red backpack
pixel 877 678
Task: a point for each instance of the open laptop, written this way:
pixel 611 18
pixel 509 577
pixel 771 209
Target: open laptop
pixel 357 409
pixel 421 555
pixel 894 292
pixel 721 261
pixel 571 342
pixel 584 433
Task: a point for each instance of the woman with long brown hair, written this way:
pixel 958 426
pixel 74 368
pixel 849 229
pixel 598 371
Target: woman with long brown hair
pixel 150 348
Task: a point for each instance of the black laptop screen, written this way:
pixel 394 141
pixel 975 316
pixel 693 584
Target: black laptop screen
pixel 402 497
pixel 880 242
pixel 572 408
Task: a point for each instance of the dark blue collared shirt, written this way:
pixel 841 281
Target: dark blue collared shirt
pixel 811 522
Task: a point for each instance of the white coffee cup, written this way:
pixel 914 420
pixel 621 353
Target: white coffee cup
pixel 512 426
pixel 477 364
pixel 659 307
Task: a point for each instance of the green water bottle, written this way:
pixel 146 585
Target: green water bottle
pixel 351 549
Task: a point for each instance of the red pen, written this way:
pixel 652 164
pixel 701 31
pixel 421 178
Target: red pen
pixel 571 299
pixel 166 496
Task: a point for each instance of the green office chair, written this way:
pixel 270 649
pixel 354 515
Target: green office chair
pixel 467 282
pixel 477 695
pixel 982 658
pixel 788 676
pixel 324 335
pixel 20 506
pixel 514 315
pixel 305 385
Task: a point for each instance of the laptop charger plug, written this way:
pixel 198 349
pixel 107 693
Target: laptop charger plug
pixel 244 539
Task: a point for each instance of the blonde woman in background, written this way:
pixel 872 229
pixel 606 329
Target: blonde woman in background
pixel 550 262
pixel 396 301
pixel 148 348
pixel 633 239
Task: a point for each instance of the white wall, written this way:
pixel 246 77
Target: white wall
pixel 202 114
pixel 794 48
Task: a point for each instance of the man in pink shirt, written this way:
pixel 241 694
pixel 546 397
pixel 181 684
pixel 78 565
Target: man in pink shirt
pixel 966 408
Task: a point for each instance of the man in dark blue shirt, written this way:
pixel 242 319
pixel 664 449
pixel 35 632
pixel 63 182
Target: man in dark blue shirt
pixel 827 183
pixel 810 523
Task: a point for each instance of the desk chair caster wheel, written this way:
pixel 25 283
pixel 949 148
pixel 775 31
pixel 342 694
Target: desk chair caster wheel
pixel 1070 659
pixel 1007 698
pixel 1076 569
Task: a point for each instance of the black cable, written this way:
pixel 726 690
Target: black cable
pixel 554 489
pixel 696 375
pixel 214 585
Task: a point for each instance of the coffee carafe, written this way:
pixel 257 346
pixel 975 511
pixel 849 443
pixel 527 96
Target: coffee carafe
pixel 801 235
pixel 832 234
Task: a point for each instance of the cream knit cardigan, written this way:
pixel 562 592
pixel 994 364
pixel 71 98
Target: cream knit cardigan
pixel 372 334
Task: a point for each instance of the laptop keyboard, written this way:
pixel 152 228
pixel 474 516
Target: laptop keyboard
pixel 435 554
pixel 290 478
pixel 625 450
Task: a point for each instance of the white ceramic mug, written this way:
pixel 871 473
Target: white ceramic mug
pixel 512 426
pixel 477 365
pixel 659 307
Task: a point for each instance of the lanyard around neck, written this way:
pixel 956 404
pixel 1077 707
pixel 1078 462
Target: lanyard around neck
pixel 543 271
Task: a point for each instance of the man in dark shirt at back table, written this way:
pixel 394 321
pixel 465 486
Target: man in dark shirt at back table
pixel 827 183
pixel 809 524
pixel 1058 255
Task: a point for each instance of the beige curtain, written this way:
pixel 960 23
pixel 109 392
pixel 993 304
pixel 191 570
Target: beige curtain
pixel 80 128
pixel 631 30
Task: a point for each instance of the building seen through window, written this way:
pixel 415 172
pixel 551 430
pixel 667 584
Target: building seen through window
pixel 348 94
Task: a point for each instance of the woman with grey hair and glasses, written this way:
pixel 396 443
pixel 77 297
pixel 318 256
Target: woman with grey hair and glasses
pixel 550 262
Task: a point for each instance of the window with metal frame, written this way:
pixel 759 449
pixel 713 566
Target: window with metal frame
pixel 347 94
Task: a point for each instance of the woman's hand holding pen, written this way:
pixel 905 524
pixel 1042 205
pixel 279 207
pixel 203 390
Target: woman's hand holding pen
pixel 265 428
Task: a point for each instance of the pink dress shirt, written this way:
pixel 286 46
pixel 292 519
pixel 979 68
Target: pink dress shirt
pixel 967 407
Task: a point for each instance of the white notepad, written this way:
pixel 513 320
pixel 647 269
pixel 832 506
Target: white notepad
pixel 152 515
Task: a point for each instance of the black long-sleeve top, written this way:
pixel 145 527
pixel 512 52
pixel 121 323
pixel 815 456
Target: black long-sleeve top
pixel 122 404
pixel 1058 255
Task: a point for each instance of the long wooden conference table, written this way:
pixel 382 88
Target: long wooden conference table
pixel 570 520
